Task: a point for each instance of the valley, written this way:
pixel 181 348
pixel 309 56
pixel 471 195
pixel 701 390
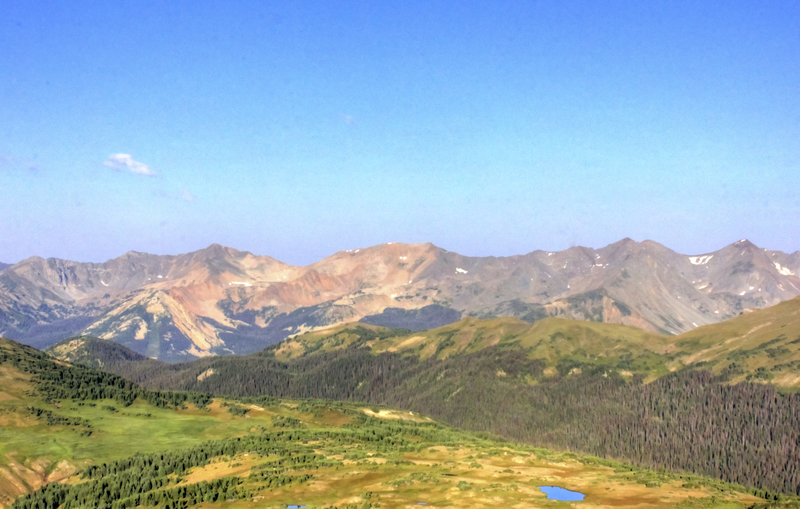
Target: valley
pixel 101 442
pixel 609 390
pixel 444 406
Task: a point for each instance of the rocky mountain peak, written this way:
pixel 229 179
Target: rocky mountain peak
pixel 237 301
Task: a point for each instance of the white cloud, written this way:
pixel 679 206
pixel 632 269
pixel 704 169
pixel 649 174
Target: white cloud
pixel 124 162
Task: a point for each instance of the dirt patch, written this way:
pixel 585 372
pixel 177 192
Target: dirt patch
pixel 63 470
pixel 395 414
pixel 238 466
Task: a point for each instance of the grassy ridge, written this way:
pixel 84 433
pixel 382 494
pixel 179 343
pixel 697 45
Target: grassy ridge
pixel 265 452
pixel 554 383
pixel 762 345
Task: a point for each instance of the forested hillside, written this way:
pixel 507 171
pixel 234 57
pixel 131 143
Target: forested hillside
pixel 73 437
pixel 689 420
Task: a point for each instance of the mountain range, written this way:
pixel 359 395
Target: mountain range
pixel 222 301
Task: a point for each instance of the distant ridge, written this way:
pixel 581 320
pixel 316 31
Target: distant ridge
pixel 220 300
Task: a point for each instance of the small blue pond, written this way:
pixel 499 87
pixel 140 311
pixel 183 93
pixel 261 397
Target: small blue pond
pixel 556 493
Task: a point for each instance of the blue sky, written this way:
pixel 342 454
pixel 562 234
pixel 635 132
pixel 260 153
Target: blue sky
pixel 487 128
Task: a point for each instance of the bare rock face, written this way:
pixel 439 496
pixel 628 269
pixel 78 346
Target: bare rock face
pixel 222 301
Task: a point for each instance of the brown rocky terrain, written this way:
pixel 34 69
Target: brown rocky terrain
pixel 220 301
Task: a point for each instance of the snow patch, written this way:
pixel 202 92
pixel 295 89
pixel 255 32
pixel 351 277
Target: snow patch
pixel 239 283
pixel 103 282
pixel 403 257
pixel 550 254
pixel 461 271
pixel 704 286
pixel 783 270
pixel 356 251
pixel 742 293
pixel 694 324
pixel 700 260
pixel 160 276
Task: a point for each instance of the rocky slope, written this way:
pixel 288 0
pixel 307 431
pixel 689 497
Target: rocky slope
pixel 221 301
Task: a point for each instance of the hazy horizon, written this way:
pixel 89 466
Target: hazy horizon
pixel 356 248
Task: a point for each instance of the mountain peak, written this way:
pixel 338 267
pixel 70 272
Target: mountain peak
pixel 744 243
pixel 218 250
pixel 134 254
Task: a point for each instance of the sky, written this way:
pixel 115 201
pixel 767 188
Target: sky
pixel 299 129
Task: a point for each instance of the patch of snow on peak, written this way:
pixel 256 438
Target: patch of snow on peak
pixel 461 271
pixel 160 276
pixel 403 257
pixel 239 283
pixel 700 260
pixel 742 293
pixel 784 271
pixel 356 251
pixel 550 254
pixel 104 283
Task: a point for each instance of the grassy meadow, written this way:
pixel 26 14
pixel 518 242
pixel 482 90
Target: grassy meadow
pixel 271 453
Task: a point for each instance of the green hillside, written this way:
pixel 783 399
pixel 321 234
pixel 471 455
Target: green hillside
pixel 82 438
pixel 759 346
pixel 608 390
pixel 686 421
